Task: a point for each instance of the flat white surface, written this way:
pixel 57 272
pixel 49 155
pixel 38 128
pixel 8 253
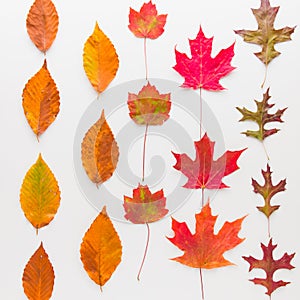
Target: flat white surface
pixel 161 277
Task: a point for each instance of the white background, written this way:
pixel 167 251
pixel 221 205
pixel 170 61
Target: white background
pixel 161 278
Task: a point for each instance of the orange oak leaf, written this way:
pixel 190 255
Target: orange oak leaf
pixel 204 249
pixel 149 107
pixel 100 60
pixel 204 172
pixel 145 207
pixel 38 276
pixel 42 24
pixel 201 70
pixel 99 151
pixel 270 266
pixel 101 249
pixel 41 101
pixel 39 194
pixel 147 23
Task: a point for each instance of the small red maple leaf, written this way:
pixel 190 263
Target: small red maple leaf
pixel 145 207
pixel 204 172
pixel 146 23
pixel 201 70
pixel 270 266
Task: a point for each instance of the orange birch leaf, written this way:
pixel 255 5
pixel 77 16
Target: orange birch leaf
pixel 99 152
pixel 41 101
pixel 39 195
pixel 101 249
pixel 38 276
pixel 42 24
pixel 100 60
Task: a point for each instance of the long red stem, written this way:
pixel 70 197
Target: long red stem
pixel 202 285
pixel 145 57
pixel 202 196
pixel 145 253
pixel 269 227
pixel 201 112
pixel 144 152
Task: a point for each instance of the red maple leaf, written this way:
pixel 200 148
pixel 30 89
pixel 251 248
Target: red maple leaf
pixel 146 23
pixel 270 266
pixel 204 172
pixel 204 249
pixel 145 207
pixel 201 70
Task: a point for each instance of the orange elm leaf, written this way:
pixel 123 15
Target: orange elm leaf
pixel 149 107
pixel 38 276
pixel 99 151
pixel 39 194
pixel 42 24
pixel 204 249
pixel 40 101
pixel 204 172
pixel 100 60
pixel 201 70
pixel 270 266
pixel 146 23
pixel 145 207
pixel 101 249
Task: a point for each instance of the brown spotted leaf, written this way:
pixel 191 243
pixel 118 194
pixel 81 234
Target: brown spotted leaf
pixel 99 152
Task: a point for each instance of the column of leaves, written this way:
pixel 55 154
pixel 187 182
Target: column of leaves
pixel 40 194
pixel 267 37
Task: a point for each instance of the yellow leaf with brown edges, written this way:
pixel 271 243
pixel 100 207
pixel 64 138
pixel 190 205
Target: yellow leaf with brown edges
pixel 101 249
pixel 100 60
pixel 99 152
pixel 39 195
pixel 42 24
pixel 41 101
pixel 38 276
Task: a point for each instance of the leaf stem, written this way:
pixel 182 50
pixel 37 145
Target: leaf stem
pixel 145 253
pixel 266 152
pixel 201 112
pixel 144 152
pixel 265 77
pixel 145 58
pixel 201 283
pixel 269 227
pixel 202 197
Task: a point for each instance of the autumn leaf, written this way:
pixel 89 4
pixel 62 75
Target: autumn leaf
pixel 99 151
pixel 146 23
pixel 149 107
pixel 39 195
pixel 42 24
pixel 38 276
pixel 41 101
pixel 262 117
pixel 270 266
pixel 145 207
pixel 266 35
pixel 201 70
pixel 100 60
pixel 204 172
pixel 101 249
pixel 204 249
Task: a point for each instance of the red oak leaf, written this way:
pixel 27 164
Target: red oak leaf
pixel 145 207
pixel 204 249
pixel 146 23
pixel 204 172
pixel 149 107
pixel 201 70
pixel 270 266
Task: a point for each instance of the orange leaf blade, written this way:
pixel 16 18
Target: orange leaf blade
pixel 100 60
pixel 42 24
pixel 101 249
pixel 38 276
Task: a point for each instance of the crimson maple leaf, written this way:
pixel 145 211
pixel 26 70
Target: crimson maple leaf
pixel 204 172
pixel 201 70
pixel 146 23
pixel 270 266
pixel 204 249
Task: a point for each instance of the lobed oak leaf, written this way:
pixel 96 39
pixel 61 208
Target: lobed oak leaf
pixel 261 117
pixel 201 70
pixel 149 107
pixel 204 172
pixel 270 266
pixel 204 249
pixel 101 249
pixel 145 207
pixel 147 23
